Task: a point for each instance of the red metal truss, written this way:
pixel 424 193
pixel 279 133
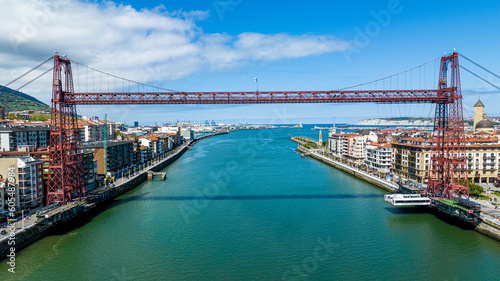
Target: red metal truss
pixel 399 96
pixel 65 177
pixel 448 163
pixel 448 141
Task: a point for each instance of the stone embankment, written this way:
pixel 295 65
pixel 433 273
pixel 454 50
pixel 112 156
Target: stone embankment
pixel 489 228
pixel 387 185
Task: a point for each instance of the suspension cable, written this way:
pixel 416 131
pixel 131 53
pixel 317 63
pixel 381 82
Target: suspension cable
pixel 390 76
pixel 478 65
pixel 125 79
pixel 26 73
pixel 479 77
pixel 32 80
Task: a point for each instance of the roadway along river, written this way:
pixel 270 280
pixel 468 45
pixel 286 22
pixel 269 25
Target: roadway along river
pixel 270 215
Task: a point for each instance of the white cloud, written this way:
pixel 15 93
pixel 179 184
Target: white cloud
pixel 149 45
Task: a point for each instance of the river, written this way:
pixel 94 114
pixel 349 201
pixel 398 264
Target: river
pixel 246 206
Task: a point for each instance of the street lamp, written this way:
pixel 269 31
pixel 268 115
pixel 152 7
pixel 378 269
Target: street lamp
pixel 256 83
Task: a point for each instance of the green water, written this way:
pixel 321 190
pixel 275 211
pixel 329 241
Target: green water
pixel 246 206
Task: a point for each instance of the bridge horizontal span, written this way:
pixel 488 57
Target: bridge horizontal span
pixel 382 96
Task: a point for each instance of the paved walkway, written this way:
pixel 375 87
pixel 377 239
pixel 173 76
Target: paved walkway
pixel 120 180
pixel 28 222
pixel 488 210
pixel 390 185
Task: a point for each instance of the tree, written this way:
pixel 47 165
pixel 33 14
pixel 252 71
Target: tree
pixel 474 188
pixel 12 116
pixel 39 117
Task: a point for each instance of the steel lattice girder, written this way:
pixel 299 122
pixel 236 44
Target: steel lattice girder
pixel 400 96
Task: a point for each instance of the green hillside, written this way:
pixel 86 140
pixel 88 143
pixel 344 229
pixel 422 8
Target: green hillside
pixel 19 101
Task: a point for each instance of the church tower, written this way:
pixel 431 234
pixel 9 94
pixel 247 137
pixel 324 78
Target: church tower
pixel 320 141
pixel 478 112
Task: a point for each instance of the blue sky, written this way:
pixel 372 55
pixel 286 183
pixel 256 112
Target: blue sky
pixel 289 45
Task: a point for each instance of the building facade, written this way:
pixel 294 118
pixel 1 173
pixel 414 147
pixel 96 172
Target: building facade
pixel 89 170
pixel 13 136
pixel 412 159
pixel 120 155
pixel 187 134
pixel 349 146
pixel 483 159
pixel 27 173
pixel 379 156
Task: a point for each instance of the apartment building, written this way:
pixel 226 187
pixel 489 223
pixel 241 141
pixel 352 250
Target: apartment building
pixel 347 145
pixel 156 144
pixel 27 175
pixel 483 158
pixel 120 155
pixel 379 156
pixel 188 134
pixel 174 133
pixel 13 136
pixel 412 158
pixel 93 130
pixel 89 170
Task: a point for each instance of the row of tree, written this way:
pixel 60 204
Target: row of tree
pixel 33 117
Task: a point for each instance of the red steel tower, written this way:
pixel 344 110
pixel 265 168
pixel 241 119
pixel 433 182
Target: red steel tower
pixel 65 167
pixel 448 163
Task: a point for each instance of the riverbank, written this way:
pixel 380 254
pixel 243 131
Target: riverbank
pixel 386 185
pixel 488 226
pixel 67 216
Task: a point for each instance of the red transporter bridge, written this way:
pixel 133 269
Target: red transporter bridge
pixel 447 167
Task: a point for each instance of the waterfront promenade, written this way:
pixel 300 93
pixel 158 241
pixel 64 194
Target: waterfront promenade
pixel 322 155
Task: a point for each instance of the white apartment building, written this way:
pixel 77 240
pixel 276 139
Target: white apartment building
pixel 13 136
pixel 187 133
pixel 92 130
pixel 349 146
pixel 27 173
pixel 379 156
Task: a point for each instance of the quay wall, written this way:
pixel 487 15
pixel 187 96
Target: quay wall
pixel 359 174
pixel 23 239
pixel 489 229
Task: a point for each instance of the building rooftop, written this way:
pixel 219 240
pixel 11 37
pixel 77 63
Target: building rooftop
pixel 479 104
pixel 485 124
pixel 379 144
pixel 24 127
pixel 100 144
